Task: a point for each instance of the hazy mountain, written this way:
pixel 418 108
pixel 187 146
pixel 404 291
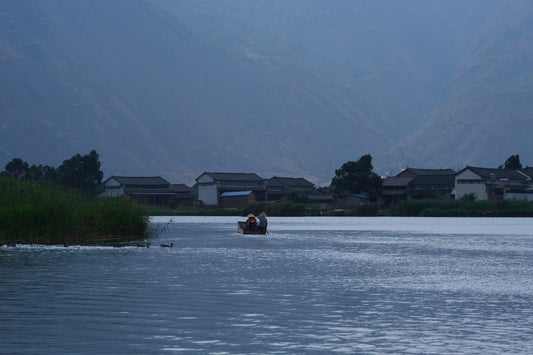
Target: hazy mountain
pixel 488 108
pixel 292 88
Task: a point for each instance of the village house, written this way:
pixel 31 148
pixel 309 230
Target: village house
pixel 279 188
pixel 153 190
pixel 233 190
pixel 324 201
pixel 413 183
pixel 350 201
pixel 183 195
pixel 211 186
pixel 493 184
pixel 235 199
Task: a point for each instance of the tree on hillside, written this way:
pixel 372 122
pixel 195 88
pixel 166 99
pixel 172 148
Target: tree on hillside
pixel 357 177
pixel 81 172
pixel 513 162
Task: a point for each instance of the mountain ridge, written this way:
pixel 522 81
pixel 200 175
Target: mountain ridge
pixel 273 87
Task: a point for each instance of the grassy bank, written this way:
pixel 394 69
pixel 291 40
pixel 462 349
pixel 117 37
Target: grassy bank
pixel 44 213
pixel 463 208
pixel 285 209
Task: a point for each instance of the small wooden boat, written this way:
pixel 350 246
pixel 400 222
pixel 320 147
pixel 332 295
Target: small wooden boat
pixel 244 229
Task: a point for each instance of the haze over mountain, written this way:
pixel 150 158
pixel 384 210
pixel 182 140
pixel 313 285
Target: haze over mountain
pixel 275 87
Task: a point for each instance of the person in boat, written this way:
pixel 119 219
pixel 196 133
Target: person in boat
pixel 251 222
pixel 262 220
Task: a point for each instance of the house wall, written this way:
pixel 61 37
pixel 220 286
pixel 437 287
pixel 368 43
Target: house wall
pixel 478 188
pixel 467 175
pixel 469 182
pixel 112 188
pixel 205 179
pixel 112 183
pixel 112 192
pixel 208 194
pixel 236 201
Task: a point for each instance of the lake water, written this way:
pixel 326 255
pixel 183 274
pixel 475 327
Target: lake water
pixel 311 286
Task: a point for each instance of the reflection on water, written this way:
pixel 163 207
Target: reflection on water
pixel 312 285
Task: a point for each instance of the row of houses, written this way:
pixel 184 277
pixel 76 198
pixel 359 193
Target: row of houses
pixel 230 190
pixel 482 183
pixel 212 189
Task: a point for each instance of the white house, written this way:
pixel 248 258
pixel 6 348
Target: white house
pixel 489 184
pixel 212 185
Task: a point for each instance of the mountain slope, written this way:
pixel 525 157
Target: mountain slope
pixel 488 113
pixel 161 87
pixel 152 98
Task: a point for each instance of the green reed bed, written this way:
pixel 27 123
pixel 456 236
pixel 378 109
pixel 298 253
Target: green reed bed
pixel 44 213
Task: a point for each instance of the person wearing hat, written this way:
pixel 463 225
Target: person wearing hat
pixel 251 222
pixel 262 221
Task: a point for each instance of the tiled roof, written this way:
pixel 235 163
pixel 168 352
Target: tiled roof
pixel 180 188
pixel 234 176
pixel 528 170
pixel 416 171
pixel 397 180
pixel 433 180
pixel 289 181
pixel 140 181
pixel 488 173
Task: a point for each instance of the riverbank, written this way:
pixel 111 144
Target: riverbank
pixel 34 212
pixel 411 208
pixel 462 208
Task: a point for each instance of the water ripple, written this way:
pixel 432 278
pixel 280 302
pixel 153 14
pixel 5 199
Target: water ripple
pixel 313 290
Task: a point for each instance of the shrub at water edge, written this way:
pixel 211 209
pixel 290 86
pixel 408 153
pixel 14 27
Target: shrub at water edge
pixel 45 213
pixel 463 208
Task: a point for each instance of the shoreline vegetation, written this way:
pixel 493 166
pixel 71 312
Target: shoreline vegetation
pixel 410 208
pixel 43 213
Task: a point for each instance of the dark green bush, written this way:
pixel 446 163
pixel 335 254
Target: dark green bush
pixel 45 213
pixel 367 209
pixel 463 208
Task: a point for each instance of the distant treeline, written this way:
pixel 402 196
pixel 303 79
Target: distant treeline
pixel 42 212
pixel 79 172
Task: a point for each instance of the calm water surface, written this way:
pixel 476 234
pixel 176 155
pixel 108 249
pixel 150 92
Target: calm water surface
pixel 311 286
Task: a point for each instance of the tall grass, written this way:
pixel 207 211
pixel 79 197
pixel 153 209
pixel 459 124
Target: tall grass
pixel 45 213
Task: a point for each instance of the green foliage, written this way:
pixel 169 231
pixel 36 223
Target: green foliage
pixel 79 172
pixel 513 162
pixel 367 209
pixel 463 208
pixel 45 213
pixel 297 198
pixel 357 177
pixel 17 168
pixel 469 196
